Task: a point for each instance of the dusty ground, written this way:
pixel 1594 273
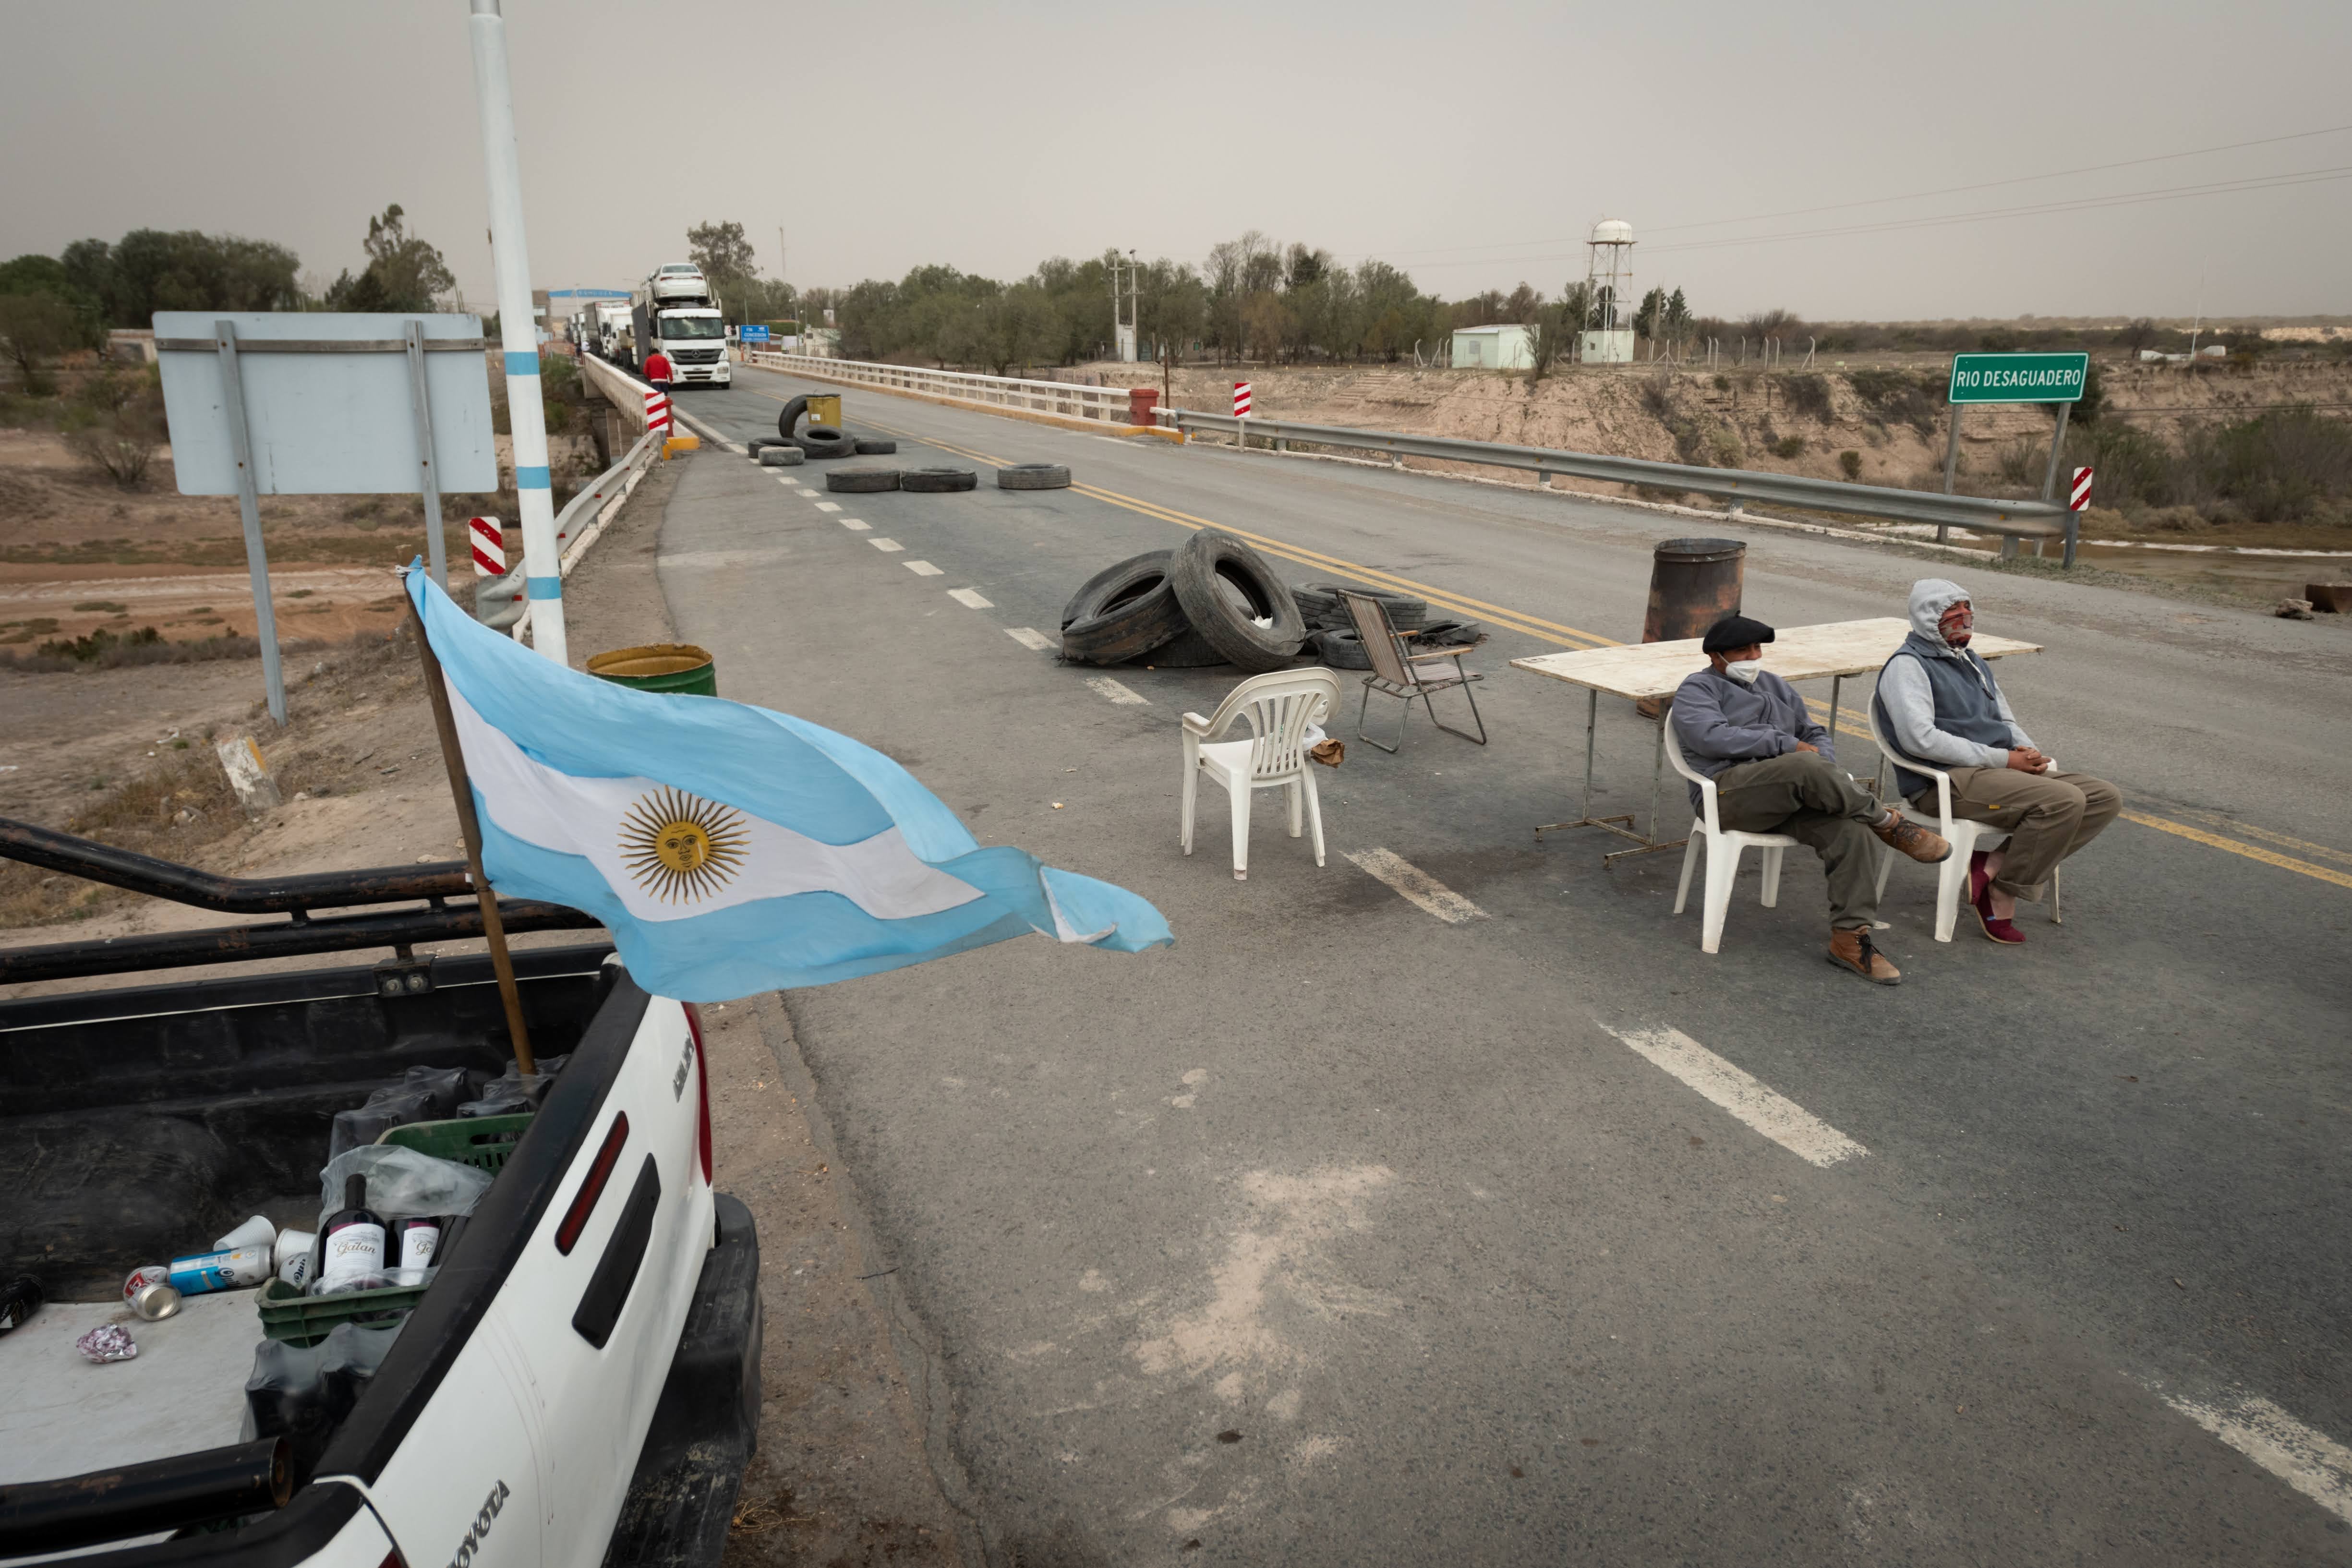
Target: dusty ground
pixel 78 553
pixel 122 756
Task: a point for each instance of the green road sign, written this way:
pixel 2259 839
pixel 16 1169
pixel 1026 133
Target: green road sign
pixel 2019 378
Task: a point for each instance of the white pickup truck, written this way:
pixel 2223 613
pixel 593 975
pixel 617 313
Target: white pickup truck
pixel 578 1384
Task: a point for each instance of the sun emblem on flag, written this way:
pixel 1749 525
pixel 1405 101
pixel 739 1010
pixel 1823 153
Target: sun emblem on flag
pixel 681 847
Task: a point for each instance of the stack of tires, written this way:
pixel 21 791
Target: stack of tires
pixel 1333 631
pixel 1213 601
pixel 818 441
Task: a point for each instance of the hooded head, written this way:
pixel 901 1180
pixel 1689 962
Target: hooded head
pixel 1930 598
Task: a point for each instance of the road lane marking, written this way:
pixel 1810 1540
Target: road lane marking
pixel 922 569
pixel 1775 1115
pixel 887 546
pixel 2310 1462
pixel 1414 886
pixel 2250 852
pixel 1105 685
pixel 853 524
pixel 2230 824
pixel 969 598
pixel 825 505
pixel 1569 637
pixel 1031 639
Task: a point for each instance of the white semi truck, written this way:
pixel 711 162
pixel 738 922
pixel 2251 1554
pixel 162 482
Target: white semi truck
pixel 608 326
pixel 673 311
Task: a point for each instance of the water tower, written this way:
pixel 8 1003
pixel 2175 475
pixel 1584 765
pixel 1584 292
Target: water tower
pixel 1609 275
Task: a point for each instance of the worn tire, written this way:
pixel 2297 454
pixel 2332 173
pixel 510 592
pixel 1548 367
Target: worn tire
pixel 1319 606
pixel 791 416
pixel 1123 612
pixel 1187 650
pixel 825 441
pixel 936 482
pixel 1406 613
pixel 871 447
pixel 778 456
pixel 1341 650
pixel 1233 599
pixel 1034 477
pixel 862 482
pixel 1450 634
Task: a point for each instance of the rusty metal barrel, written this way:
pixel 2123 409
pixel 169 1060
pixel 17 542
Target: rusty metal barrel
pixel 1694 583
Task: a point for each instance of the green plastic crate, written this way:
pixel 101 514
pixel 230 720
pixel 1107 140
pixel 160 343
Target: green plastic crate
pixel 289 1314
pixel 481 1141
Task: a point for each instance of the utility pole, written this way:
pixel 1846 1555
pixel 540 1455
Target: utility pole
pixel 543 561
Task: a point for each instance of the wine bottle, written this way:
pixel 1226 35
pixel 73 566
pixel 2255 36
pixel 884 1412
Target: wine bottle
pixel 350 1243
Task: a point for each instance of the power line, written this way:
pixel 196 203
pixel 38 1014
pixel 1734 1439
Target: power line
pixel 1875 201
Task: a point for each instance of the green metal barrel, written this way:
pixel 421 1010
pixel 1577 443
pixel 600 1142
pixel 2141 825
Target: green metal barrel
pixel 659 667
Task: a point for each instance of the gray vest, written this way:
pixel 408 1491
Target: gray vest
pixel 1968 704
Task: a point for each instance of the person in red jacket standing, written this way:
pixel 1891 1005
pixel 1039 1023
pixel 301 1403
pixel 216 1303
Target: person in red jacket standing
pixel 657 371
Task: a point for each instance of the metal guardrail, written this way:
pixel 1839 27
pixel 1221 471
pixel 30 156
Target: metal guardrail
pixel 1109 404
pixel 2029 519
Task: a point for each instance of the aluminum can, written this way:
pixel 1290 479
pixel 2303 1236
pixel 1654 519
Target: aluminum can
pixel 155 1301
pixel 232 1270
pixel 145 1274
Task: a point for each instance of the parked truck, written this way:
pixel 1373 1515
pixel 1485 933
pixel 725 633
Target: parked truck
pixel 673 311
pixel 609 329
pixel 576 1384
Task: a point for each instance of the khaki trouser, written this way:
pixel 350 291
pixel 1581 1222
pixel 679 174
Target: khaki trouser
pixel 1814 801
pixel 2048 815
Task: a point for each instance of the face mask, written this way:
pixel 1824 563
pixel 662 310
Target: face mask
pixel 1745 671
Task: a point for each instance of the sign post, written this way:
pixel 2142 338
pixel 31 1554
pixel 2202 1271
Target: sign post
pixel 1241 411
pixel 2056 378
pixel 294 402
pixel 2078 498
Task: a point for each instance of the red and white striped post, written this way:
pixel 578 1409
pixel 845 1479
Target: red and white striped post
pixel 489 541
pixel 1241 411
pixel 2078 500
pixel 657 412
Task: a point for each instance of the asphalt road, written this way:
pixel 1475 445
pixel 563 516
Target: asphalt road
pixel 1344 1233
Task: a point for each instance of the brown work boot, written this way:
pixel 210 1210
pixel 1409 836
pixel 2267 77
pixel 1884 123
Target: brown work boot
pixel 1906 837
pixel 1850 948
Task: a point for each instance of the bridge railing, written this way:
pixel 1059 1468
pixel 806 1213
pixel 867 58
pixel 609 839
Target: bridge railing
pixel 1109 404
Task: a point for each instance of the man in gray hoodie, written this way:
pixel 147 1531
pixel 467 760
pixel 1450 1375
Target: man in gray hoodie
pixel 1775 771
pixel 1938 704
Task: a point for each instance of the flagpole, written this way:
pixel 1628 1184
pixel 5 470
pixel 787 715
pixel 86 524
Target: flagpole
pixel 493 929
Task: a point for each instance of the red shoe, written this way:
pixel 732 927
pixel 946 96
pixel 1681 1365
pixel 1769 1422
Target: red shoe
pixel 1995 928
pixel 1977 875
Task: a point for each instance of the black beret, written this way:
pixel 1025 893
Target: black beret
pixel 1734 631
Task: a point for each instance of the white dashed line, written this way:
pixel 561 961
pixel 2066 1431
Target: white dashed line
pixel 826 505
pixel 922 568
pixel 1111 689
pixel 887 546
pixel 969 598
pixel 853 524
pixel 1775 1115
pixel 2311 1462
pixel 1416 886
pixel 1031 639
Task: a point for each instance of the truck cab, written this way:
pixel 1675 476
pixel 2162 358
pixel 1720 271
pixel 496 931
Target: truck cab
pixel 674 311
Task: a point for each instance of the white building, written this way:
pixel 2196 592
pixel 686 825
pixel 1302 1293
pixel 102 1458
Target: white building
pixel 1494 348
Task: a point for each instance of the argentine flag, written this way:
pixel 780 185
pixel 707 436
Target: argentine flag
pixel 730 849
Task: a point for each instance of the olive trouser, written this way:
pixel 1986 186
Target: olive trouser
pixel 2048 817
pixel 1815 802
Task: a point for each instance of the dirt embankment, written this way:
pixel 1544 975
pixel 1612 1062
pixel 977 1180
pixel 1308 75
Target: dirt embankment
pixel 1881 424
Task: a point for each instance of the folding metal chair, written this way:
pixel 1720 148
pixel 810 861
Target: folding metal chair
pixel 1397 673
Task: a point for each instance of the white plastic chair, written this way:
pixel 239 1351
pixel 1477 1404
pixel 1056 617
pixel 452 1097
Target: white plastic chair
pixel 1967 838
pixel 1279 708
pixel 1723 848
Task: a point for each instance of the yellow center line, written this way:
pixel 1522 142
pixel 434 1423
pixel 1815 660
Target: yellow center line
pixel 2250 852
pixel 1569 636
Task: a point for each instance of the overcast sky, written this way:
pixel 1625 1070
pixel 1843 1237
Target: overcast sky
pixel 1471 145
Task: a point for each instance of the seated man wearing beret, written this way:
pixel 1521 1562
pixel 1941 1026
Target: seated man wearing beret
pixel 1775 771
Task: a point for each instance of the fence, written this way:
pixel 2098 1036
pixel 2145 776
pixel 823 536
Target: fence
pixel 1109 404
pixel 2030 520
